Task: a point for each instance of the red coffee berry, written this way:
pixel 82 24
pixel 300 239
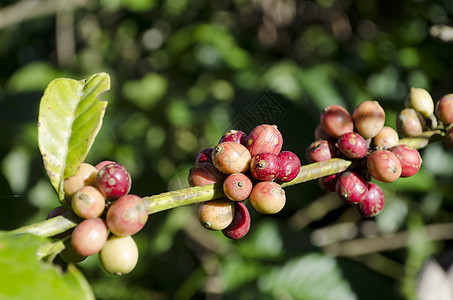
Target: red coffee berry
pixel 336 121
pixel 386 138
pixel 237 187
pixel 444 109
pixel 384 166
pixel 369 118
pixel 373 203
pixel 351 187
pixel 265 166
pixel 113 180
pixel 88 202
pixel 204 174
pixel 240 225
pixel 103 163
pixel 231 157
pixel 216 214
pixel 409 158
pixel 236 136
pixel 289 166
pixel 267 197
pixel 321 150
pixel 204 156
pixel 328 183
pixel 86 175
pixel 265 138
pixel 352 145
pixel 409 123
pixel 89 236
pixel 127 215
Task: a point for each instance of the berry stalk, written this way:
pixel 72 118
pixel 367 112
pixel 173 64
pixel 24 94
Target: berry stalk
pixel 197 194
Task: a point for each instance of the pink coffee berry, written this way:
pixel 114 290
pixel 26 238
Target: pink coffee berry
pixel 240 225
pixel 336 121
pixel 409 158
pixel 321 150
pixel 89 236
pixel 127 215
pixel 352 145
pixel 328 183
pixel 204 174
pixel 351 187
pixel 373 203
pixel 267 197
pixel 236 136
pixel 384 166
pixel 289 166
pixel 113 180
pixel 444 109
pixel 264 138
pixel 265 166
pixel 237 187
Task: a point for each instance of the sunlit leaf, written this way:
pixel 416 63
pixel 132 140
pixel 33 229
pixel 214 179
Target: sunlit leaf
pixel 22 276
pixel 70 116
pixel 309 277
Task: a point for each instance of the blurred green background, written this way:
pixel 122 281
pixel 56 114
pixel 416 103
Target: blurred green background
pixel 183 73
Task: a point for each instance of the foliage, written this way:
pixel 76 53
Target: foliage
pixel 185 72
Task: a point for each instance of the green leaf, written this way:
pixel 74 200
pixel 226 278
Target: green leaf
pixel 309 277
pixel 22 276
pixel 70 116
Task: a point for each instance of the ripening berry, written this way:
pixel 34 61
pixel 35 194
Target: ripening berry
pixel 113 180
pixel 352 145
pixel 369 118
pixel 237 187
pixel 216 214
pixel 236 136
pixel 373 203
pixel 240 225
pixel 336 121
pixel 204 174
pixel 289 166
pixel 89 236
pixel 86 175
pixel 409 123
pixel 444 109
pixel 321 150
pixel 119 255
pixel 265 166
pixel 386 138
pixel 409 158
pixel 127 215
pixel 265 138
pixel 320 134
pixel 204 156
pixel 231 157
pixel 88 202
pixel 420 100
pixel 384 166
pixel 267 197
pixel 351 187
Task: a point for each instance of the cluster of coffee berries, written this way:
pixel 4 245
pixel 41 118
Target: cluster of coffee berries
pixel 249 167
pixel 100 196
pixel 373 149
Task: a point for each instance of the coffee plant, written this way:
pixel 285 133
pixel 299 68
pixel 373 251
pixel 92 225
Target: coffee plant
pixel 97 215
